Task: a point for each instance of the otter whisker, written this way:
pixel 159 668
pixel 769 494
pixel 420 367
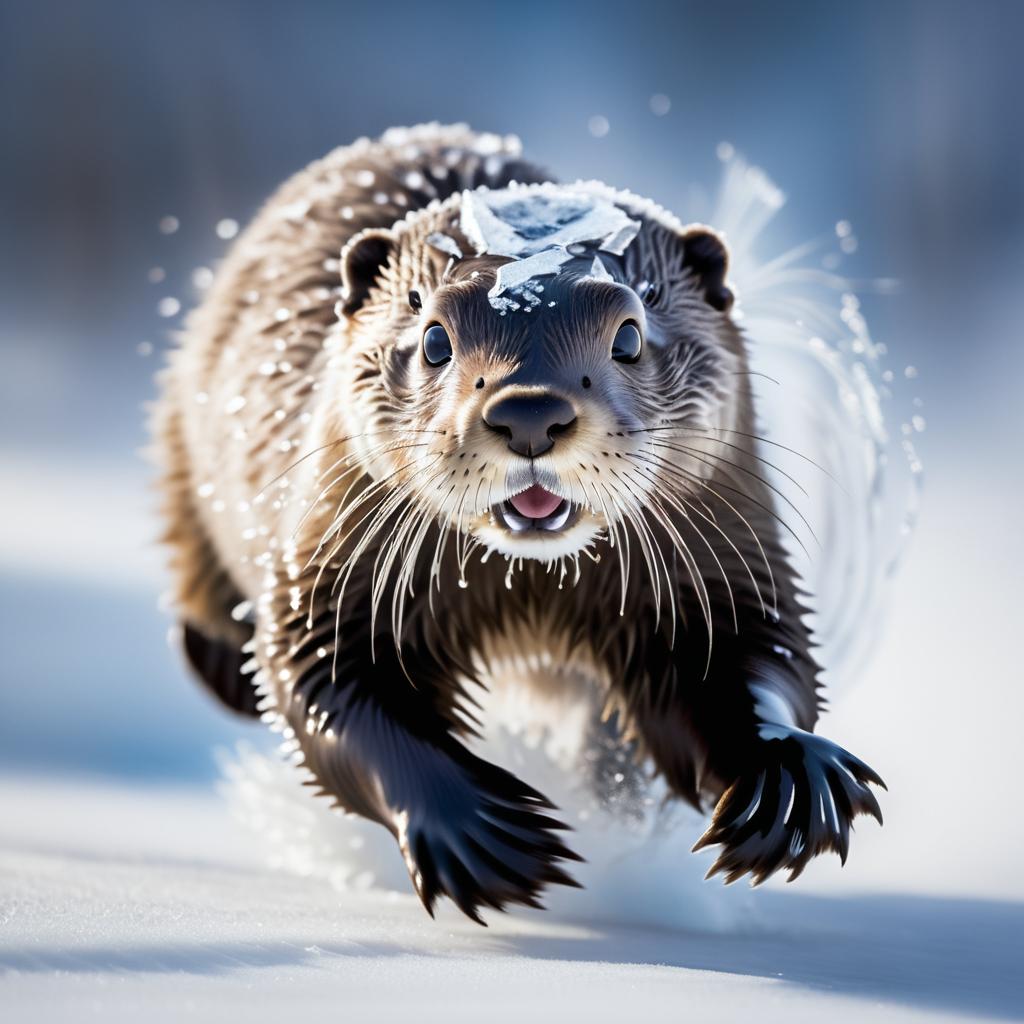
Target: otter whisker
pixel 703 457
pixel 335 443
pixel 689 561
pixel 377 486
pixel 357 467
pixel 393 497
pixel 659 493
pixel 684 428
pixel 635 516
pixel 691 479
pixel 612 540
pixel 375 451
pixel 415 531
pixel 667 466
pixel 621 543
pixel 647 540
pixel 389 507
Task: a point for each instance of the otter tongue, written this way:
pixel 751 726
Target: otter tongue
pixel 535 502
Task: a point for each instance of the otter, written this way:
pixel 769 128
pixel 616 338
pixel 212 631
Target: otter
pixel 437 408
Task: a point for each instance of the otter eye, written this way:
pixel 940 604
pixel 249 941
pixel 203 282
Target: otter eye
pixel 437 346
pixel 627 344
pixel 649 292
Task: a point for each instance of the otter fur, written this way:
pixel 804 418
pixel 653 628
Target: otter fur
pixel 437 408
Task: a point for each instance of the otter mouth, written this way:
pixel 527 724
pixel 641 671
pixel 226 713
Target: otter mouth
pixel 536 510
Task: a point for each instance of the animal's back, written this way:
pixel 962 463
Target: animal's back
pixel 259 339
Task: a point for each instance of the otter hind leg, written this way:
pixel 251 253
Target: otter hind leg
pixel 203 592
pixel 219 665
pixel 798 800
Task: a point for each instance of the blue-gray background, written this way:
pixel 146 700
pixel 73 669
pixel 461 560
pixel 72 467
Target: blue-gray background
pixel 902 117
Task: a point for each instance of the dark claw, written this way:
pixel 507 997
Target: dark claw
pixel 488 845
pixel 799 804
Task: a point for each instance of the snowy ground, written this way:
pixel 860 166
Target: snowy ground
pixel 120 903
pixel 125 893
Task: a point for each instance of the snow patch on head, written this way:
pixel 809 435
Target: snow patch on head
pixel 541 228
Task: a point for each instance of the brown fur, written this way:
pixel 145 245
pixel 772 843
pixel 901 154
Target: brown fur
pixel 299 399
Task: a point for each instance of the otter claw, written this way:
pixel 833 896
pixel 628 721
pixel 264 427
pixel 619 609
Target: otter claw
pixel 487 849
pixel 801 803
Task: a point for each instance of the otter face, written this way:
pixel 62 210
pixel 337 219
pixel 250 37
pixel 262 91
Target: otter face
pixel 537 419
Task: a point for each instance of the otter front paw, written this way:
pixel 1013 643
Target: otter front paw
pixel 482 841
pixel 798 803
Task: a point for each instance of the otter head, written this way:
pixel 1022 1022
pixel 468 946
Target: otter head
pixel 539 367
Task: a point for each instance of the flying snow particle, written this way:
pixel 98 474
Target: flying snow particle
pixel 202 278
pixel 660 104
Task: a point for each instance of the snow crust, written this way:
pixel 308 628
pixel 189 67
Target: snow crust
pixel 126 904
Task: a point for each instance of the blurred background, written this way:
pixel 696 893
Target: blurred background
pixel 134 134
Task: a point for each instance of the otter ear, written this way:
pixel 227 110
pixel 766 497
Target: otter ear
pixel 706 257
pixel 362 259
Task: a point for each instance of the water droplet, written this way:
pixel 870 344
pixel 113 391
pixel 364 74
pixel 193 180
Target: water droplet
pixel 202 278
pixel 168 225
pixel 156 275
pixel 660 104
pixel 144 348
pixel 725 151
pixel 227 228
pixel 168 306
pixel 910 372
pixel 843 229
pixel 598 126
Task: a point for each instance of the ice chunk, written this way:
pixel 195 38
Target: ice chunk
pixel 541 229
pixel 512 276
pixel 523 222
pixel 445 243
pixel 619 241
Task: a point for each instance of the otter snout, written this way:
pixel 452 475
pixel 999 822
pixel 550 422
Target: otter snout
pixel 529 418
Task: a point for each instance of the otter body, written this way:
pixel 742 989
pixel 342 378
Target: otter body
pixel 438 412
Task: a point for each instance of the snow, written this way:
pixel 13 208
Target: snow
pixel 124 898
pixel 132 900
pixel 120 903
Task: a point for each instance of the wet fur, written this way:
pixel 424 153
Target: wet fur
pixel 375 694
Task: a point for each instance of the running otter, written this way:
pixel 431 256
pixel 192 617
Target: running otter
pixel 437 407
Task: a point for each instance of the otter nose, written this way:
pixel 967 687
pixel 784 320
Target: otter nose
pixel 530 420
